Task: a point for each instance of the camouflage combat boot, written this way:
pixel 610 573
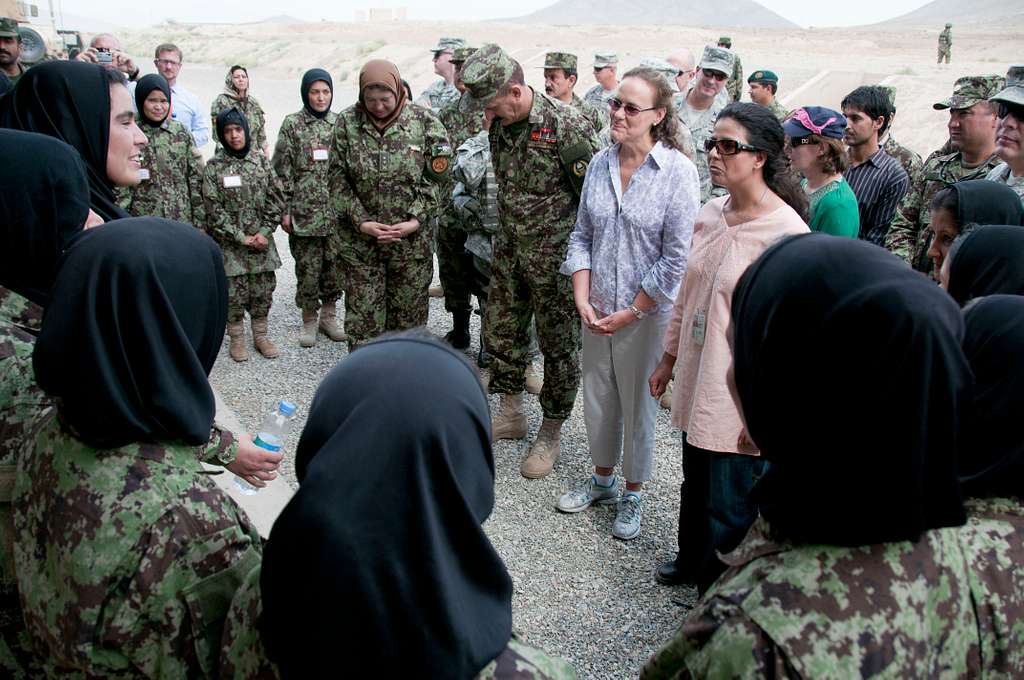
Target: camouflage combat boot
pixel 261 341
pixel 509 421
pixel 237 350
pixel 544 452
pixel 307 338
pixel 329 323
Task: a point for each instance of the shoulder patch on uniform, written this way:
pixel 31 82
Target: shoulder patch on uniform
pixel 439 164
pixel 579 168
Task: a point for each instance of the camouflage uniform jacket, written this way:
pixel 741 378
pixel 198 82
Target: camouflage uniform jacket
pixel 460 121
pixel 20 397
pixel 910 161
pixel 476 194
pixel 438 94
pixel 598 97
pixel 734 84
pixel 127 558
pixel 242 197
pixel 597 117
pixel 1002 174
pixel 253 113
pixel 21 71
pixel 891 610
pixel 701 125
pixel 946 38
pixel 301 161
pixel 909 234
pixel 388 178
pixel 777 108
pixel 172 184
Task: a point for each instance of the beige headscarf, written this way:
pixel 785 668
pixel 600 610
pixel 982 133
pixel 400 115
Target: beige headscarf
pixel 229 84
pixel 384 74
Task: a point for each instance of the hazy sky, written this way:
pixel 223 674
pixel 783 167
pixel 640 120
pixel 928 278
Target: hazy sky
pixel 125 13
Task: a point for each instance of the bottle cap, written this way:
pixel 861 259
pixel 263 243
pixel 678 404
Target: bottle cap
pixel 286 407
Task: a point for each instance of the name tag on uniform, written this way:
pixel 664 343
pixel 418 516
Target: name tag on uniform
pixel 700 323
pixel 143 174
pixel 319 154
pixel 415 148
pixel 232 181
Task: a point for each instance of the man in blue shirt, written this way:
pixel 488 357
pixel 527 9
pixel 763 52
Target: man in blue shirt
pixel 185 106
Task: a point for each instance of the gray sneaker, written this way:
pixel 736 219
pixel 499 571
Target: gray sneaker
pixel 627 521
pixel 587 494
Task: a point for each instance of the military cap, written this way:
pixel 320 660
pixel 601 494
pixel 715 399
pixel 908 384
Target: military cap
pixel 602 59
pixel 8 28
pixel 763 77
pixel 667 69
pixel 1013 93
pixel 948 25
pixel 461 54
pixel 725 40
pixel 890 92
pixel 486 71
pixel 562 60
pixel 717 59
pixel 448 44
pixel 970 90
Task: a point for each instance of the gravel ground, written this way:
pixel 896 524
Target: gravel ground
pixel 579 592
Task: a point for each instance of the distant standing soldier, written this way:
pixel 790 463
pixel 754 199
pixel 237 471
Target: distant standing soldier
pixel 540 151
pixel 945 43
pixel 236 94
pixel 560 76
pixel 734 85
pixel 10 50
pixel 442 91
pixel 606 67
pixel 910 160
pixel 301 161
pixel 764 86
pixel 1010 134
pixel 171 175
pixel 243 202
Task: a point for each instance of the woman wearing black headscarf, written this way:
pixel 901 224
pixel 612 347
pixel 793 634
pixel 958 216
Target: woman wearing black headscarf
pixel 963 206
pixel 88 107
pixel 127 555
pixel 171 176
pixel 379 566
pixel 851 382
pixel 987 261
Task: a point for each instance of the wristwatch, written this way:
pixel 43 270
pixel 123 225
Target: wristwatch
pixel 637 312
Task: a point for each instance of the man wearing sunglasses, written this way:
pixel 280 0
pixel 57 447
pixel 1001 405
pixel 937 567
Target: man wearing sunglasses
pixel 442 91
pixel 699 109
pixel 1010 132
pixel 606 66
pixel 560 78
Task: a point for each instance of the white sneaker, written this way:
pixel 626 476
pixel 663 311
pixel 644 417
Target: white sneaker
pixel 587 494
pixel 627 521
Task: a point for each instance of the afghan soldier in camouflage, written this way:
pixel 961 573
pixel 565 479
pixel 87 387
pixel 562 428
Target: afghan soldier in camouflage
pixel 443 91
pixel 734 85
pixel 171 175
pixel 764 86
pixel 301 161
pixel 560 77
pixel 1010 133
pixel 10 50
pixel 244 205
pixel 972 129
pixel 945 43
pixel 606 65
pixel 540 150
pixel 387 161
pixel 910 160
pixel 236 95
pixel 699 108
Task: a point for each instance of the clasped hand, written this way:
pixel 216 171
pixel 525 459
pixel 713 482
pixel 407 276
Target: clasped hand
pixel 606 325
pixel 389 232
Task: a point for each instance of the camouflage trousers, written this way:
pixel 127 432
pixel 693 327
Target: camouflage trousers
pixel 524 284
pixel 385 291
pixel 253 293
pixel 944 53
pixel 455 264
pixel 317 270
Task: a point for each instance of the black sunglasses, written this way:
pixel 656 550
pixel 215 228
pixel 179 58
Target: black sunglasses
pixel 727 147
pixel 717 75
pixel 631 109
pixel 1015 110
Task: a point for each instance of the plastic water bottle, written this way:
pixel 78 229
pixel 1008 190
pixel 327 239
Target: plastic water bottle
pixel 270 436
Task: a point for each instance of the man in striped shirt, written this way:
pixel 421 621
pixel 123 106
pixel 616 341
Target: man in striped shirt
pixel 877 179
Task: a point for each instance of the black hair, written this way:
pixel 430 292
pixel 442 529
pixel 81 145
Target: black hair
pixel 114 77
pixel 874 102
pixel 946 199
pixel 408 89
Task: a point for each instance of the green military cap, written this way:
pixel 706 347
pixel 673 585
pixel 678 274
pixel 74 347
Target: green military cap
pixel 8 28
pixel 948 25
pixel 1013 93
pixel 717 59
pixel 486 71
pixel 461 54
pixel 602 59
pixel 970 90
pixel 562 60
pixel 448 44
pixel 763 77
pixel 725 40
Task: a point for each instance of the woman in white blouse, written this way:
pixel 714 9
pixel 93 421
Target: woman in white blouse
pixel 626 256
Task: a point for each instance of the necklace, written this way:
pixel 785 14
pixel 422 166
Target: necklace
pixel 727 206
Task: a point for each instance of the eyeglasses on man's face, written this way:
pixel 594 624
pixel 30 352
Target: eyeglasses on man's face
pixel 167 63
pixel 727 147
pixel 717 75
pixel 631 109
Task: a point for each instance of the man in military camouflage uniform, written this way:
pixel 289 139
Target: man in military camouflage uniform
pixel 972 129
pixel 606 66
pixel 764 86
pixel 301 161
pixel 10 50
pixel 560 77
pixel 539 150
pixel 699 108
pixel 1010 133
pixel 910 160
pixel 945 43
pixel 734 85
pixel 442 91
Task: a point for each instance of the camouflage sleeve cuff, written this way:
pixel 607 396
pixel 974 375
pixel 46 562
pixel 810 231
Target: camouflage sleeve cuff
pixel 222 449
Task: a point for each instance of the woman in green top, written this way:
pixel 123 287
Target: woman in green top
pixel 814 137
pixel 236 95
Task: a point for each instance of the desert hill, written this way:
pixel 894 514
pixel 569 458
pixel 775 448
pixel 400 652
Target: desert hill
pixel 737 13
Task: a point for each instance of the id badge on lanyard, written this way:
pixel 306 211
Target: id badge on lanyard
pixel 700 323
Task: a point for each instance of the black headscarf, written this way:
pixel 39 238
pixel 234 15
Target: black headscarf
pixel 43 204
pixel 146 84
pixel 308 78
pixel 233 116
pixel 992 453
pixel 853 385
pixel 69 100
pixel 380 559
pixel 987 261
pixel 983 202
pixel 134 326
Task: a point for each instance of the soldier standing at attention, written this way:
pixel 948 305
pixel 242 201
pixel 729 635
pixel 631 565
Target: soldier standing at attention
pixel 945 43
pixel 442 91
pixel 700 108
pixel 171 176
pixel 1010 133
pixel 734 86
pixel 764 85
pixel 606 66
pixel 301 162
pixel 560 77
pixel 972 131
pixel 236 94
pixel 10 50
pixel 910 160
pixel 387 160
pixel 540 151
pixel 243 201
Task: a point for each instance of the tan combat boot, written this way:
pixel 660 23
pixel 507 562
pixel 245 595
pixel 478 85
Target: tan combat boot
pixel 307 338
pixel 509 421
pixel 329 323
pixel 435 292
pixel 237 350
pixel 261 340
pixel 534 378
pixel 544 452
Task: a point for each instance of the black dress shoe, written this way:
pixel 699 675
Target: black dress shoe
pixel 669 574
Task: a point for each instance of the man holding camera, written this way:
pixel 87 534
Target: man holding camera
pixel 105 49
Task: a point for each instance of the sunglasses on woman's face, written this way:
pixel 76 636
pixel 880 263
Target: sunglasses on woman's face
pixel 727 147
pixel 631 109
pixel 717 75
pixel 1015 110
